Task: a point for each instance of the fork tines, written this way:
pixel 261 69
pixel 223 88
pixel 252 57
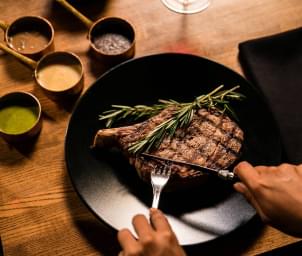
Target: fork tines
pixel 159 178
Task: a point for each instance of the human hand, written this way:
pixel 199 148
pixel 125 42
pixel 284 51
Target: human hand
pixel 275 192
pixel 154 239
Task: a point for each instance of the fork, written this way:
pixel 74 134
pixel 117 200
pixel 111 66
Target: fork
pixel 159 178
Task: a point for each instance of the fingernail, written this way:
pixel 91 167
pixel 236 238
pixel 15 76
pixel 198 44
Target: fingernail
pixel 152 210
pixel 239 187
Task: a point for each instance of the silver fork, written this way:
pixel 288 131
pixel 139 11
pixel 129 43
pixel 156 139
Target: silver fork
pixel 159 178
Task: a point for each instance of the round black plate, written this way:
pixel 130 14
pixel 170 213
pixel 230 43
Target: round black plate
pixel 111 188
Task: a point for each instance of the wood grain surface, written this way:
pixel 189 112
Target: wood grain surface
pixel 40 213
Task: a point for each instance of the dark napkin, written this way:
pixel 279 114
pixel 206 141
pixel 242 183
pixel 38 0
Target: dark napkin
pixel 274 65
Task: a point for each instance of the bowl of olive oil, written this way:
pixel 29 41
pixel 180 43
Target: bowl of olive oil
pixel 20 116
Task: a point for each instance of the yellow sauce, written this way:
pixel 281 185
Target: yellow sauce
pixel 59 77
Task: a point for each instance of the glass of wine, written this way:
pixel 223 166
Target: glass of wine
pixel 186 6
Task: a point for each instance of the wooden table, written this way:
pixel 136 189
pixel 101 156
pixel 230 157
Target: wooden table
pixel 40 213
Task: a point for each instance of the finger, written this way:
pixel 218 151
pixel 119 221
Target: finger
pixel 247 174
pixel 126 240
pixel 262 169
pixel 243 189
pixel 141 225
pixel 158 220
pixel 121 253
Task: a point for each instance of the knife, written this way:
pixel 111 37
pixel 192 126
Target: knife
pixel 223 174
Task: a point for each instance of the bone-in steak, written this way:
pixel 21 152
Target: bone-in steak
pixel 212 139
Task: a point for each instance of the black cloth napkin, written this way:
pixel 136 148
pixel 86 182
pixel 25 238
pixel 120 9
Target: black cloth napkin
pixel 274 64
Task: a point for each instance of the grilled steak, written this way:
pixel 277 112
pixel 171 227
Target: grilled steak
pixel 212 139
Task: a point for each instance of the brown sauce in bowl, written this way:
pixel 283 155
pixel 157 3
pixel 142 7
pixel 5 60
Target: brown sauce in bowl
pixel 28 41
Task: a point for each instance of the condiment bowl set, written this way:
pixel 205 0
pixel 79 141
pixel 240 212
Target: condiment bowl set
pixel 59 74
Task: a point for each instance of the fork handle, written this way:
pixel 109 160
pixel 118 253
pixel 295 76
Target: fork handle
pixel 156 196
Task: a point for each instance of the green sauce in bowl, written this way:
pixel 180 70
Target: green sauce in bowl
pixel 17 119
pixel 20 116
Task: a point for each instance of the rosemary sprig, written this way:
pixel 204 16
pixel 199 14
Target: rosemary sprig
pixel 217 99
pixel 120 112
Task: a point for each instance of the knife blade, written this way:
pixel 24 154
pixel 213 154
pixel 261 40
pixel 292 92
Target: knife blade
pixel 221 173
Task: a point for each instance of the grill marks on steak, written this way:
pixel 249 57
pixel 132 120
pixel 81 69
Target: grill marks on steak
pixel 222 140
pixel 212 139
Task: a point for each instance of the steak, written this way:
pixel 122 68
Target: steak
pixel 211 139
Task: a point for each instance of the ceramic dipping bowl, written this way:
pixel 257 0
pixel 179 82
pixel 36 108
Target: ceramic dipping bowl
pixel 60 75
pixel 32 36
pixel 112 39
pixel 20 116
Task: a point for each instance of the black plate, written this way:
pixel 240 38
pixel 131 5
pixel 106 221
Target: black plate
pixel 111 188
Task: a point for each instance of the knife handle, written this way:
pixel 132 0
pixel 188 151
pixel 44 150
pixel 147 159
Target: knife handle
pixel 228 175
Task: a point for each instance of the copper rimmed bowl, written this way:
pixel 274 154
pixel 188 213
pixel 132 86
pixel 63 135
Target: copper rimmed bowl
pixel 20 116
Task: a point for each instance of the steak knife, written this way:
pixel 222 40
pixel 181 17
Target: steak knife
pixel 223 174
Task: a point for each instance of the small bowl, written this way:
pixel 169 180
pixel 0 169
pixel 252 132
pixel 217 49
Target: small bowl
pixel 32 36
pixel 112 39
pixel 60 75
pixel 20 116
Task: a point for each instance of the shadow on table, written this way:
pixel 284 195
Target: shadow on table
pixel 100 237
pixel 93 10
pixel 1 249
pixel 15 149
